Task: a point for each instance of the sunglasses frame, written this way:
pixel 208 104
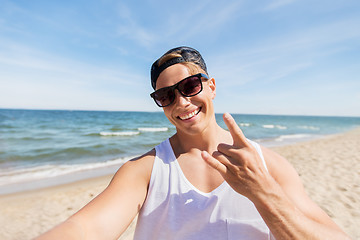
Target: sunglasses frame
pixel 176 86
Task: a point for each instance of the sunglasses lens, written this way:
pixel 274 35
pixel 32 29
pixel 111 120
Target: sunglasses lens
pixel 190 86
pixel 164 97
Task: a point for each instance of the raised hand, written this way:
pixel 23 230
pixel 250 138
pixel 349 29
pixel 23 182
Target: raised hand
pixel 240 164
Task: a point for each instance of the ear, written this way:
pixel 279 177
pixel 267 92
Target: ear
pixel 212 87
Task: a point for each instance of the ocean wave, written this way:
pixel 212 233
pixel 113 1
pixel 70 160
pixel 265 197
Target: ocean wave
pixel 290 137
pixel 274 126
pixel 33 138
pixel 245 124
pixel 309 127
pixel 125 133
pixel 51 170
pixel 149 129
pixel 57 154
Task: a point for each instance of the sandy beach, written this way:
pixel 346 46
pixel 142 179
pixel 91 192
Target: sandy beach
pixel 329 168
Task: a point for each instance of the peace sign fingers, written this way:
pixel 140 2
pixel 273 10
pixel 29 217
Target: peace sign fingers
pixel 236 133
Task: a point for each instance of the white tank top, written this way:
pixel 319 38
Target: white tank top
pixel 175 209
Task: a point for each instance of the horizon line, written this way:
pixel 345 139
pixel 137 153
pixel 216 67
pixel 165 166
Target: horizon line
pixel 147 111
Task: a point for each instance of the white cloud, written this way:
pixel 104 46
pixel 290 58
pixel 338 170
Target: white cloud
pixel 128 27
pixel 243 51
pixel 282 55
pixel 19 58
pixel 31 78
pixel 203 20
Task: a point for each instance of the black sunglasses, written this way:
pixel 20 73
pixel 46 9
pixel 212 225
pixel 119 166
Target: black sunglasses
pixel 187 87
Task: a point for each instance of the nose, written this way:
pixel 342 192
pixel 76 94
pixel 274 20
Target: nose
pixel 180 99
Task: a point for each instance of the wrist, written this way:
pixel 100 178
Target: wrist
pixel 269 195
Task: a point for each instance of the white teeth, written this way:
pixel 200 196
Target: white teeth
pixel 188 116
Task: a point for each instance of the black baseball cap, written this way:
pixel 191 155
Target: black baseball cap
pixel 188 54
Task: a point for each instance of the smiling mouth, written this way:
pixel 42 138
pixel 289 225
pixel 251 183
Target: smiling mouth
pixel 189 115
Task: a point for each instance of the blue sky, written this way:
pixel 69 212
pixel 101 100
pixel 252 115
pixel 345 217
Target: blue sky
pixel 267 57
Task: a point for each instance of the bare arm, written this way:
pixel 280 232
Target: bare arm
pixel 109 214
pixel 297 216
pixel 278 194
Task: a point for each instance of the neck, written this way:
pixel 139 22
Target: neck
pixel 207 140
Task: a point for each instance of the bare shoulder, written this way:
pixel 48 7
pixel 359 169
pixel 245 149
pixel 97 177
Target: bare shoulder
pixel 280 168
pixel 289 180
pixel 139 167
pixel 286 176
pixel 112 211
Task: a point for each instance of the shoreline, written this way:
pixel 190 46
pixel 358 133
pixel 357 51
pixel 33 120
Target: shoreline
pixel 113 165
pixel 44 183
pixel 328 166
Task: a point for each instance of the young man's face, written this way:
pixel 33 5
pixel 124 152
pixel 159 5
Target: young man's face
pixel 188 114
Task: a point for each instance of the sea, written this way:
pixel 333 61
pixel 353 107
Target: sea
pixel 41 148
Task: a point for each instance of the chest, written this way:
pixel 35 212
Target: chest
pixel 198 173
pixel 178 207
pixel 182 211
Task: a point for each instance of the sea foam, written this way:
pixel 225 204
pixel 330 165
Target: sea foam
pixel 127 133
pixel 290 137
pixel 274 126
pixel 16 176
pixel 148 129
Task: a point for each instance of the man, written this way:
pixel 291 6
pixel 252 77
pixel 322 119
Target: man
pixel 203 182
